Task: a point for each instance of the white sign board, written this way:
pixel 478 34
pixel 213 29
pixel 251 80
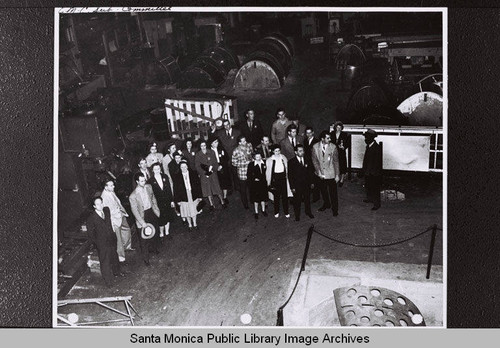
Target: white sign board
pixel 410 153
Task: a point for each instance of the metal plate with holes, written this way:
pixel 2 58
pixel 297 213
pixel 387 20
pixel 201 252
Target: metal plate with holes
pixel 375 306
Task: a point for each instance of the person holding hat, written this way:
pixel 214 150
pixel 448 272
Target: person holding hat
pixel 164 197
pixel 341 139
pixel 154 156
pixel 325 159
pixel 207 167
pixel 187 194
pixel 223 173
pixel 118 219
pixel 256 177
pixel 277 180
pixel 372 169
pixel 100 232
pixel 145 209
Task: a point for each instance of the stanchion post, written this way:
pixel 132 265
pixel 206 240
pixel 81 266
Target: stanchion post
pixel 431 251
pixel 309 235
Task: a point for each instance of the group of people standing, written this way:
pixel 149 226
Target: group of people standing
pixel 290 163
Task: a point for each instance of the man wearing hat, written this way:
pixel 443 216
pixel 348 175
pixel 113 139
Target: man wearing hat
pixel 146 212
pixel 372 169
pixel 100 231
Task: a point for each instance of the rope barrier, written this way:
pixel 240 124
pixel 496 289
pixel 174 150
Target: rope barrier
pixel 434 229
pixel 375 245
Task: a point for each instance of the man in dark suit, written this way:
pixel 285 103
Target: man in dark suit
pixel 372 169
pixel 309 142
pixel 228 137
pixel 251 128
pixel 300 177
pixel 292 139
pixel 265 147
pixel 100 231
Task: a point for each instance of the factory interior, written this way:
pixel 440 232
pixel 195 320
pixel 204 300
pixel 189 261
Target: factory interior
pixel 130 79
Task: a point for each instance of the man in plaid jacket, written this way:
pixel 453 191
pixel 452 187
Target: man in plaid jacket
pixel 242 155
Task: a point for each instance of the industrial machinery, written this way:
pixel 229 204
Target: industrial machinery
pixel 210 69
pixel 268 65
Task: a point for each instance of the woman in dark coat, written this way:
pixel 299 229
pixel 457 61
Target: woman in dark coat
pixel 207 167
pixel 187 193
pixel 342 140
pixel 224 171
pixel 257 184
pixel 163 194
pixel 189 152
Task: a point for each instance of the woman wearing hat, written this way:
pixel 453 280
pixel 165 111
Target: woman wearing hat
pixel 154 156
pixel 223 173
pixel 256 177
pixel 187 194
pixel 188 152
pixel 207 167
pixel 341 139
pixel 164 197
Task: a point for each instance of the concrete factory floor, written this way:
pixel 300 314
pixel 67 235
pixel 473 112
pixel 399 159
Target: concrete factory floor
pixel 235 265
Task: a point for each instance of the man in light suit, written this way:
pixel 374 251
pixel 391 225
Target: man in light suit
pixel 118 219
pixel 325 159
pixel 145 209
pixel 292 139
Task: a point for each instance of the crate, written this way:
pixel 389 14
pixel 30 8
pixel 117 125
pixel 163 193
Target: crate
pixel 192 115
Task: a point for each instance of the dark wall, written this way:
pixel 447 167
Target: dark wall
pixel 26 64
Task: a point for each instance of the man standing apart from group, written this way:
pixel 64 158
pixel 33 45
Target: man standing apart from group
pixel 372 169
pixel 326 165
pixel 118 219
pixel 101 232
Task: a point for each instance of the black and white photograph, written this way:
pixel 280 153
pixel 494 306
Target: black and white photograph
pixel 250 167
